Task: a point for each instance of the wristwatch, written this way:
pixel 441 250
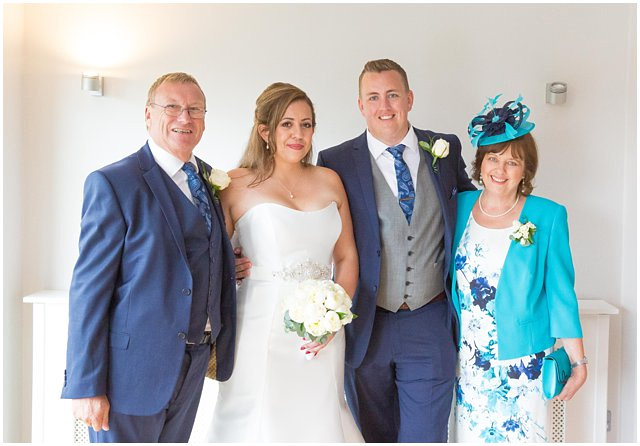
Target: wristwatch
pixel 580 362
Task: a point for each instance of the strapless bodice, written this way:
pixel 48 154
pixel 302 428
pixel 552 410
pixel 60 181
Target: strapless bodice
pixel 288 244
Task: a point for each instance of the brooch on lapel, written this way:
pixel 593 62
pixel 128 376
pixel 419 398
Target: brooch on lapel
pixel 523 232
pixel 216 180
pixel 438 149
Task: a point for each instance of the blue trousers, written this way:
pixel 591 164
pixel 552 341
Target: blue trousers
pixel 403 389
pixel 175 422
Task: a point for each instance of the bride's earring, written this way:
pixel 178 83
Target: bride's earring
pixel 267 148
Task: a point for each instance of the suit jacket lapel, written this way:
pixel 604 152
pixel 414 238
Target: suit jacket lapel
pixel 152 174
pixel 362 162
pixel 213 200
pixel 435 177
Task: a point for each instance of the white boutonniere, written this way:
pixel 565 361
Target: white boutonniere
pixel 522 232
pixel 438 149
pixel 216 179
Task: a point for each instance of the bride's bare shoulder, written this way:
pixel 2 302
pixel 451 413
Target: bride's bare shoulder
pixel 240 172
pixel 328 176
pixel 241 176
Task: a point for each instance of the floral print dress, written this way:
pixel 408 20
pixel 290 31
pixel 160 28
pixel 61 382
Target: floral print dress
pixel 496 400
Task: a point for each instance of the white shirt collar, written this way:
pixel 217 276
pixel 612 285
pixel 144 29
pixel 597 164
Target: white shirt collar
pixel 167 162
pixel 377 147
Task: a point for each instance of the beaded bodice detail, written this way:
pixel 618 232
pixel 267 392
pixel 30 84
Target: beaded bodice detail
pixel 302 271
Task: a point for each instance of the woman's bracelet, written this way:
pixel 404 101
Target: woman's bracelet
pixel 580 362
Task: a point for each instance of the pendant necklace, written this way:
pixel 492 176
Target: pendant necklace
pixel 498 215
pixel 285 188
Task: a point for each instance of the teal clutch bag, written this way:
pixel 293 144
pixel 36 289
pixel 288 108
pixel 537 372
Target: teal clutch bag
pixel 556 370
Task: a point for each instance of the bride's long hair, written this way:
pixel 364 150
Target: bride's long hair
pixel 270 108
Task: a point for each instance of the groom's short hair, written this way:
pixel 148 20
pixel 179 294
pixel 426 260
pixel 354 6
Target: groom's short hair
pixel 380 65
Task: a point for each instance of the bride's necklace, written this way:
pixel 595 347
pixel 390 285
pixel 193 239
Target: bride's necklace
pixel 498 215
pixel 285 188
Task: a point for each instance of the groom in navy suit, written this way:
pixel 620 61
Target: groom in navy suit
pixel 153 291
pixel 400 352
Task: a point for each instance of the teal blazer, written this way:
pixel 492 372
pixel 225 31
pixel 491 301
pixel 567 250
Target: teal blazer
pixel 535 298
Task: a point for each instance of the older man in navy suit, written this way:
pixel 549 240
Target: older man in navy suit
pixel 400 357
pixel 153 291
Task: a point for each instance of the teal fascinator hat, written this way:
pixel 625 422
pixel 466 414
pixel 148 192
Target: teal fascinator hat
pixel 499 124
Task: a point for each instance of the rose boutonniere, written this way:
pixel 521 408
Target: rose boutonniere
pixel 438 149
pixel 216 179
pixel 523 232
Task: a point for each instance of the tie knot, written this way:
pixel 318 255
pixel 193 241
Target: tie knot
pixel 396 151
pixel 189 168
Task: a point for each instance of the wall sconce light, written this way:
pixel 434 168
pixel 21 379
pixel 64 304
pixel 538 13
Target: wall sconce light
pixel 92 83
pixel 556 93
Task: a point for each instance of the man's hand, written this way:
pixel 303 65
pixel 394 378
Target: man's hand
pixel 94 411
pixel 243 266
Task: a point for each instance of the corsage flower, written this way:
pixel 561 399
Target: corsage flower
pixel 438 149
pixel 216 179
pixel 522 232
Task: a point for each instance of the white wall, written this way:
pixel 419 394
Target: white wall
pixel 16 388
pixel 455 55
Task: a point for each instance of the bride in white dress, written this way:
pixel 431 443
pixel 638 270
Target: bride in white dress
pixel 292 221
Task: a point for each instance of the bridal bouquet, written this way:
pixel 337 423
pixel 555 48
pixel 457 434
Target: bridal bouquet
pixel 317 308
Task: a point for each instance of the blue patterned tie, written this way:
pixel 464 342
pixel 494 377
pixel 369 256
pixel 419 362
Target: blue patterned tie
pixel 198 193
pixel 406 192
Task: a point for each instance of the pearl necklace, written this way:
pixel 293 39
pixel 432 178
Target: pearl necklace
pixel 499 215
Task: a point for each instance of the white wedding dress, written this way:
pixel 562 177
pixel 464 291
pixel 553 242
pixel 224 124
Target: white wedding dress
pixel 275 394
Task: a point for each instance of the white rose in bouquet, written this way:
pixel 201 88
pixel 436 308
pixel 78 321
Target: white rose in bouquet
pixel 335 299
pixel 317 308
pixel 331 321
pixel 314 329
pixel 296 310
pixel 313 313
pixel 346 312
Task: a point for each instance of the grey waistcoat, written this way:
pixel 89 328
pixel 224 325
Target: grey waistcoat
pixel 412 255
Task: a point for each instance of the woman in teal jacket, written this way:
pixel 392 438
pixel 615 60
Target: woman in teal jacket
pixel 512 286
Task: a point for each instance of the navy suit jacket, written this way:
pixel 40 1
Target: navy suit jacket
pixel 352 161
pixel 130 296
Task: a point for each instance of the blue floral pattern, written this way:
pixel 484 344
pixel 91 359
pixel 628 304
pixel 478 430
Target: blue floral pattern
pixel 496 400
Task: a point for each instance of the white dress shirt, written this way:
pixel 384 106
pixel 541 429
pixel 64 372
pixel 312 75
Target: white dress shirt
pixel 386 162
pixel 172 166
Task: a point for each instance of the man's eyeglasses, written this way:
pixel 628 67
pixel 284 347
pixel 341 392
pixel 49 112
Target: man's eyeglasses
pixel 175 110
